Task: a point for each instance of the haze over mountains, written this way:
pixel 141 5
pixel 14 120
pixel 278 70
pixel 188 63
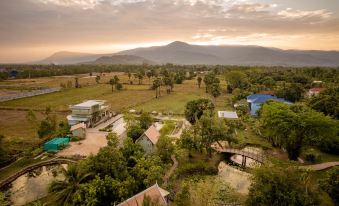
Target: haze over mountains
pixel 183 53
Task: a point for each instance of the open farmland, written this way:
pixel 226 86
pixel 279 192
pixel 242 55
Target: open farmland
pixel 14 125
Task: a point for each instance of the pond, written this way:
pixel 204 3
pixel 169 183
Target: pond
pixel 34 185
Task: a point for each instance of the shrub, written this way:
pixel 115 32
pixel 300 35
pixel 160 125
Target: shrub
pixel 196 168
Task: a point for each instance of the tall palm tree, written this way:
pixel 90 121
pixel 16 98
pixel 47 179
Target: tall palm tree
pixel 64 190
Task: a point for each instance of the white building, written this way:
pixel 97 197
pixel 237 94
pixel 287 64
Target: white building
pixel 227 115
pixel 89 112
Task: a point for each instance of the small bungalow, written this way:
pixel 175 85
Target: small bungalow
pixel 149 139
pixel 79 130
pixel 256 100
pixel 228 115
pixel 155 193
pixel 314 91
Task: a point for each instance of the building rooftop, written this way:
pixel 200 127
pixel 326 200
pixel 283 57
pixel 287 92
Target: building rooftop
pixel 155 193
pixel 90 103
pixel 227 115
pixel 261 98
pixel 152 134
pixel 77 126
pixel 316 89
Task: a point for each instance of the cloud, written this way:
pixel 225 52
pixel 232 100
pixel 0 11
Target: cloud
pixel 66 24
pixel 320 15
pixel 85 4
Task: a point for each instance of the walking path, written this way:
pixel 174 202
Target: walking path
pixel 171 170
pixel 321 166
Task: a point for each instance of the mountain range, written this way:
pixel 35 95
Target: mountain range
pixel 182 53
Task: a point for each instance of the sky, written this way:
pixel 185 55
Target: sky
pixel 34 29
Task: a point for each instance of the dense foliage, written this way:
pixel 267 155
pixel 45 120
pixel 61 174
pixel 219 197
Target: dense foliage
pixel 111 176
pixel 330 184
pixel 294 126
pixel 196 108
pixel 282 185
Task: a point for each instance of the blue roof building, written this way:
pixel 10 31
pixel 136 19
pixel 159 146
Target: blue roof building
pixel 256 100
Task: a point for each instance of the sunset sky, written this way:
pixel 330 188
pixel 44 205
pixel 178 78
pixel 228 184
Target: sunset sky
pixel 34 29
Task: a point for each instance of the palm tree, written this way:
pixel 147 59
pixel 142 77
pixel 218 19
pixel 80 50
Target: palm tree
pixel 64 190
pixel 112 83
pixel 215 91
pixel 156 87
pixel 199 81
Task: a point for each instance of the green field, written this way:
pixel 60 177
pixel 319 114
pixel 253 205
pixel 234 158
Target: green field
pixel 17 130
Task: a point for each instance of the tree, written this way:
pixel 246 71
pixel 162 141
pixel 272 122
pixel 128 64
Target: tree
pixel 199 79
pixel 215 91
pixel 145 120
pixel 103 191
pixel 281 185
pixel 211 129
pixel 292 127
pixel 31 118
pixel 134 132
pixel 330 184
pixel 207 191
pixel 140 76
pixel 292 93
pixel 112 82
pixel 196 108
pixel 168 81
pixel 129 75
pixel 156 86
pixel 149 75
pixel 97 79
pixel 76 84
pixel 165 148
pixel 210 79
pixel 63 128
pixel 64 190
pixel 112 139
pixel 326 102
pixel 236 79
pixel 47 127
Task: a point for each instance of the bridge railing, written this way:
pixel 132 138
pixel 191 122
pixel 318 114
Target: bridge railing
pixel 253 155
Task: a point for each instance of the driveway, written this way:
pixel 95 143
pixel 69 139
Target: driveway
pixel 95 139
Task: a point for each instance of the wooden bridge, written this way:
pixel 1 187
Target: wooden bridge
pixel 13 177
pixel 245 154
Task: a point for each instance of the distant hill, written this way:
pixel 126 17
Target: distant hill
pixel 182 53
pixel 122 59
pixel 65 57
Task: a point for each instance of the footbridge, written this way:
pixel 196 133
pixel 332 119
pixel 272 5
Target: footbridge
pixel 32 167
pixel 259 157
